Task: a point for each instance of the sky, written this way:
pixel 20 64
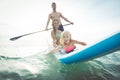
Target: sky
pixel 90 17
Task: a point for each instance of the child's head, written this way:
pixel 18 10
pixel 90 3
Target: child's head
pixel 65 37
pixel 55 24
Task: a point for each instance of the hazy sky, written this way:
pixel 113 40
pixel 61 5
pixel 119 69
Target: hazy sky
pixel 22 16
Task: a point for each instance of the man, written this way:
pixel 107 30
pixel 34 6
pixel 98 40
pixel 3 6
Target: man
pixel 56 15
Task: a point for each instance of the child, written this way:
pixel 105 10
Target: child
pixel 55 33
pixel 66 43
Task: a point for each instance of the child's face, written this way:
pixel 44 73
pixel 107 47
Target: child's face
pixel 66 38
pixel 56 24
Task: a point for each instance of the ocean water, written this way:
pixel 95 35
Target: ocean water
pixel 47 67
pixel 25 59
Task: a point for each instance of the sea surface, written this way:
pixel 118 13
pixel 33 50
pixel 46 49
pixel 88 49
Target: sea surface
pixel 25 59
pixel 47 67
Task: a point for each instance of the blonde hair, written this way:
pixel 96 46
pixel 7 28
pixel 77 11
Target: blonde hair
pixel 62 35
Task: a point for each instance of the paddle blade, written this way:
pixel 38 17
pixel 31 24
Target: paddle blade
pixel 15 38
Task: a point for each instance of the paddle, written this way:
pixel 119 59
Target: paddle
pixel 17 37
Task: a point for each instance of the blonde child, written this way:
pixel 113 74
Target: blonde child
pixel 66 43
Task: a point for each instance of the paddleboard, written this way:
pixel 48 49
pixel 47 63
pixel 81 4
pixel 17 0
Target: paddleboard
pixel 103 47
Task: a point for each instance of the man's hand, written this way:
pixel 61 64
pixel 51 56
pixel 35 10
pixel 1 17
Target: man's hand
pixel 71 23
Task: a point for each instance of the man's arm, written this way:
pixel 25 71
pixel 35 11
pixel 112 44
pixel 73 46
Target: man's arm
pixel 47 22
pixel 65 18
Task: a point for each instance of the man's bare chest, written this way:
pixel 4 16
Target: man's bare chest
pixel 55 15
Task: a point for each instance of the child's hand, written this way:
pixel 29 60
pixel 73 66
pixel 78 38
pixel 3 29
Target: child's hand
pixel 83 43
pixel 54 43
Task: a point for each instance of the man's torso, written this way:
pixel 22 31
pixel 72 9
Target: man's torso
pixel 55 15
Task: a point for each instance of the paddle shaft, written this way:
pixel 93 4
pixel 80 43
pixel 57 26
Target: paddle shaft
pixel 17 37
pixel 40 31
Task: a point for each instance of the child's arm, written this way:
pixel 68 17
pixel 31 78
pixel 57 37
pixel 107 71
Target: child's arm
pixel 57 49
pixel 79 42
